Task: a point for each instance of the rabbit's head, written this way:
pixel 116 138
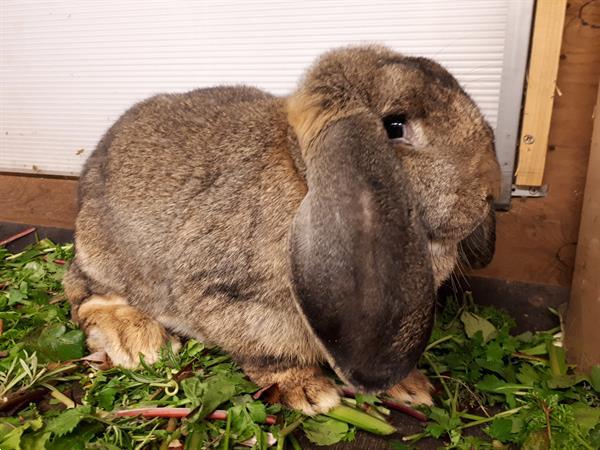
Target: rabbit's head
pixel 398 160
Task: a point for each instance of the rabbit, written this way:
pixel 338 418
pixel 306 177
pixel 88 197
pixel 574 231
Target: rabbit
pixel 293 232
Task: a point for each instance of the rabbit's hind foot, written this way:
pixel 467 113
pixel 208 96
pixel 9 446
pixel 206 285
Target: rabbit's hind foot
pixel 122 331
pixel 415 389
pixel 305 389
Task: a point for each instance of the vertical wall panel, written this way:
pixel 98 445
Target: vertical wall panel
pixel 68 69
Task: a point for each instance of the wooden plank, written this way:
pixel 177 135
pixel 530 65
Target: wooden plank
pixel 536 239
pixel 543 68
pixel 582 333
pixel 50 202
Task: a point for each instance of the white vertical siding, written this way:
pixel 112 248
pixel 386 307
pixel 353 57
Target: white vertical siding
pixel 68 69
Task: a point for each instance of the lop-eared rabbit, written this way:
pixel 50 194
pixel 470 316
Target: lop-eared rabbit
pixel 293 232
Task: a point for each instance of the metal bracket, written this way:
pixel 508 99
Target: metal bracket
pixel 529 191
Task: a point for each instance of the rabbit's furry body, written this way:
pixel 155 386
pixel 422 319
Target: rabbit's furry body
pixel 288 231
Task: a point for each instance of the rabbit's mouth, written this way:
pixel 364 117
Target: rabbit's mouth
pixel 472 242
pixel 474 250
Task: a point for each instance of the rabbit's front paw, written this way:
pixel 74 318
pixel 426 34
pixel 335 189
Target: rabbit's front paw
pixel 122 331
pixel 315 395
pixel 414 389
pixel 304 389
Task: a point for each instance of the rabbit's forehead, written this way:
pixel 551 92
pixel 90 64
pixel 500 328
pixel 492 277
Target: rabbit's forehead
pixel 427 94
pixel 418 89
pixel 419 68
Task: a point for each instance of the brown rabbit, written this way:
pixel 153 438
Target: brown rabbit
pixel 292 231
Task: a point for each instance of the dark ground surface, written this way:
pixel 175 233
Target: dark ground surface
pixel 527 303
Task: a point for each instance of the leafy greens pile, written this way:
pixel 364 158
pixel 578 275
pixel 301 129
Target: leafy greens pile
pixel 513 389
pixel 519 388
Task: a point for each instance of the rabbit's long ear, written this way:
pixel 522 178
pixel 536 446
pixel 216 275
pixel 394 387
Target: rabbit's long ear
pixel 360 267
pixel 477 249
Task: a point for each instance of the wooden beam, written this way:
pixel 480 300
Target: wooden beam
pixel 537 238
pixel 541 86
pixel 582 333
pixel 44 201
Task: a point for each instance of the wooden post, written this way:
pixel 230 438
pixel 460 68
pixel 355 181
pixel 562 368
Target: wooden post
pixel 541 86
pixel 582 324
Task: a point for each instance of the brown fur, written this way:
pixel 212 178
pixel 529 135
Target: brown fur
pixel 415 388
pixel 187 202
pixel 128 331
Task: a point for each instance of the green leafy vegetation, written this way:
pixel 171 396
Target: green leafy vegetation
pixel 517 389
pixel 513 389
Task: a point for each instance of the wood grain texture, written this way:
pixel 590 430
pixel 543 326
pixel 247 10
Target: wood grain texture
pixel 536 239
pixel 541 88
pixel 581 325
pixel 42 201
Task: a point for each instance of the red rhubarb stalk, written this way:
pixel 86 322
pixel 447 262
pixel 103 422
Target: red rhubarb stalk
pixel 218 414
pixel 221 414
pixel 270 420
pixel 17 236
pixel 154 412
pixel 260 392
pixel 404 408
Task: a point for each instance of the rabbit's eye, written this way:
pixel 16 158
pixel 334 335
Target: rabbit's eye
pixel 394 125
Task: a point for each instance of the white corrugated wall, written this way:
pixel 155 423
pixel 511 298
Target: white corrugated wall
pixel 70 68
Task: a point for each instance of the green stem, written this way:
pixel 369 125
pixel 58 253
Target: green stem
pixel 529 357
pixel 454 400
pixel 227 432
pixel 439 341
pixel 361 420
pixel 413 437
pixel 479 421
pixel 437 372
pixel 483 420
pixel 383 410
pixel 294 442
pixel 193 442
pixel 582 442
pixel 373 410
pixel 59 396
pixel 287 430
pixel 472 416
pixel 147 438
pixel 466 386
pixel 280 443
pixel 291 427
pixel 168 440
